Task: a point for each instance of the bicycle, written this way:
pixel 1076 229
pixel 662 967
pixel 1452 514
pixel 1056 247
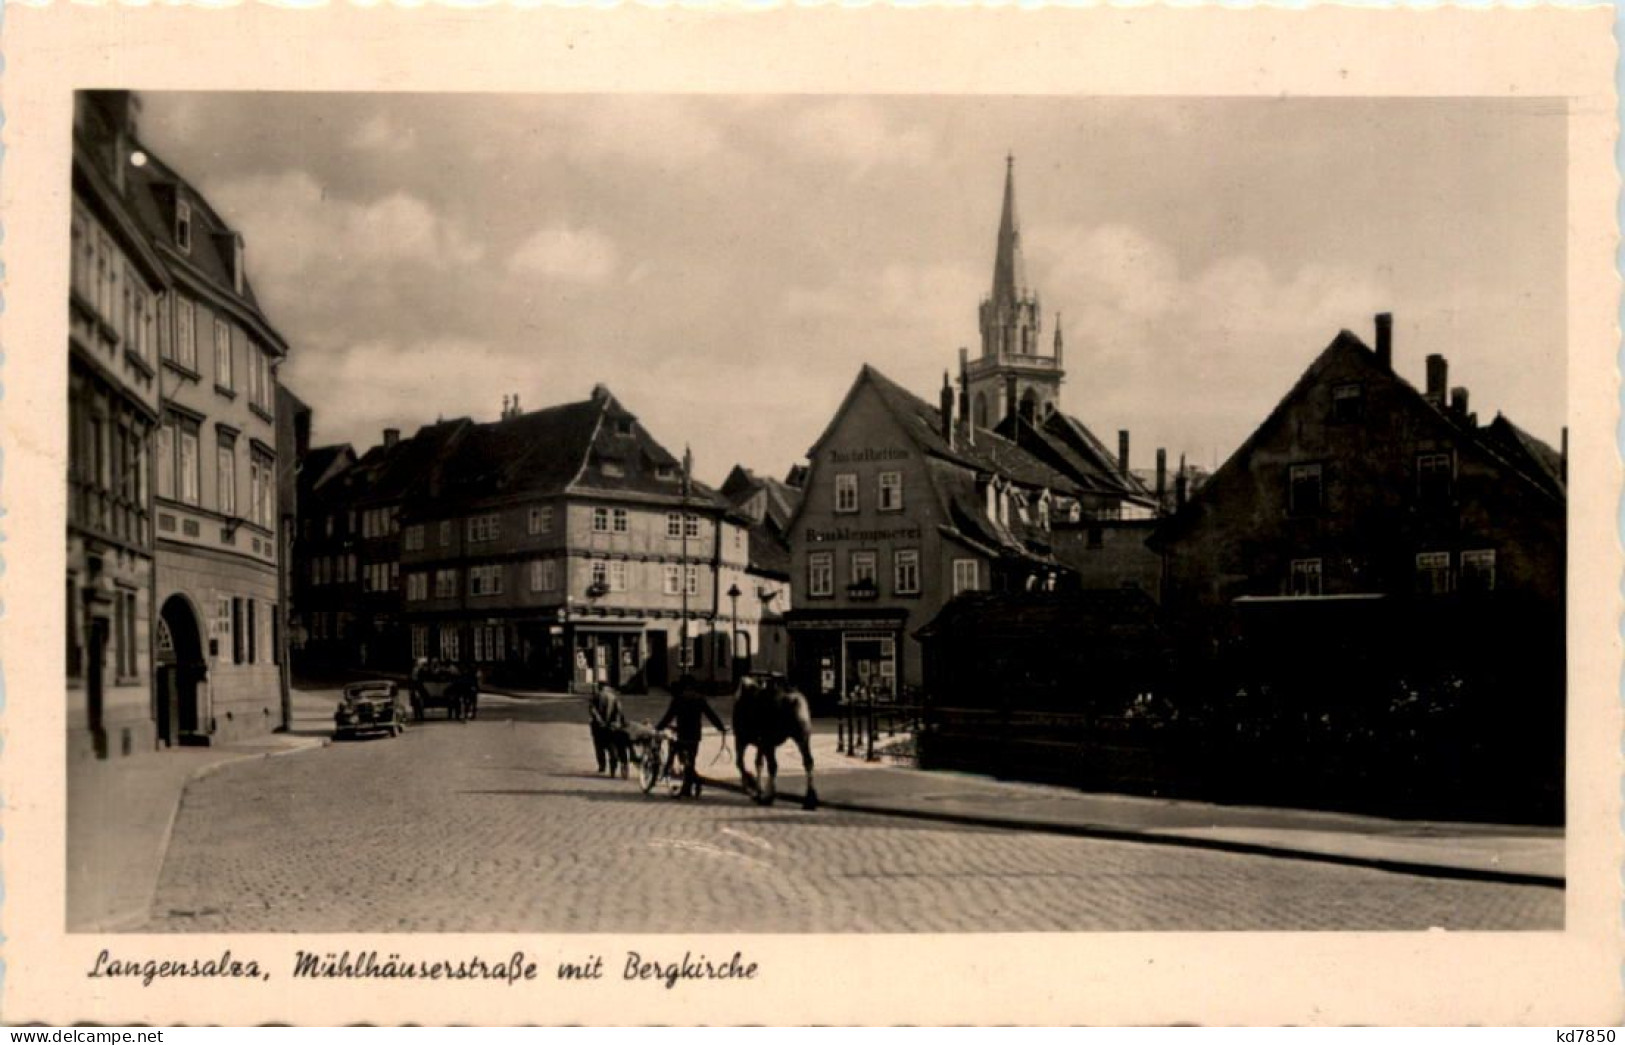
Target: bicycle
pixel 659 762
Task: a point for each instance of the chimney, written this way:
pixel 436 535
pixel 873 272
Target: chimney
pixel 1122 451
pixel 391 437
pixel 1162 476
pixel 1458 401
pixel 1385 340
pixel 1438 378
pixel 946 404
pixel 1010 395
pixel 1180 485
pixel 967 420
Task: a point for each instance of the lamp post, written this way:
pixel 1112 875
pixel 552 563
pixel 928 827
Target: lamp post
pixel 733 632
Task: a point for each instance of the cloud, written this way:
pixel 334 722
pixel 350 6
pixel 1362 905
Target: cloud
pixel 855 133
pixel 380 134
pixel 564 253
pixel 293 227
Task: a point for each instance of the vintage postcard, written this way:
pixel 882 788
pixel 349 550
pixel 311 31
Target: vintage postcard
pixel 810 516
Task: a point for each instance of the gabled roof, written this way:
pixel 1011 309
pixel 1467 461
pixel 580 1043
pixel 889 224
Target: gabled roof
pixel 411 466
pixel 591 446
pixel 1066 443
pixel 778 500
pixel 1535 457
pixel 954 471
pixel 322 463
pixel 1348 346
pixel 988 452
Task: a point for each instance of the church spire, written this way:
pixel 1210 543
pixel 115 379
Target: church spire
pixel 1009 271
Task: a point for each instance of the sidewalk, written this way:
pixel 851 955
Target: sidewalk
pixel 120 814
pixel 1493 852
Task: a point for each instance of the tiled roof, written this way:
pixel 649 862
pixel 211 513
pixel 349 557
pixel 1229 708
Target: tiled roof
pixel 987 452
pixel 1120 622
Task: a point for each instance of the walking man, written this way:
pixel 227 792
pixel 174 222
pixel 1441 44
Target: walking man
pixel 608 724
pixel 688 711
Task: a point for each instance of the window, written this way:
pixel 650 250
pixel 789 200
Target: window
pixel 612 469
pixel 82 262
pixel 540 520
pixel 1433 477
pixel 417 587
pixel 412 541
pixel 106 277
pixel 617 520
pixel 544 575
pixel 445 533
pixel 484 528
pixel 445 584
pixel 1303 491
pixel 124 652
pixel 1348 402
pixel 1478 571
pixel 680 524
pixel 1433 573
pixel 222 621
pixel 691 576
pixel 1305 577
pixel 863 569
pixel 183 226
pixel 618 574
pixel 891 491
pixel 187 463
pixel 222 355
pixel 600 520
pixel 967 575
pixel 673 580
pixel 485 580
pixel 420 641
pixel 906 572
pixel 448 643
pixel 600 573
pixel 348 568
pixel 226 474
pixel 237 631
pixel 821 574
pixel 185 333
pixel 140 322
pixel 846 492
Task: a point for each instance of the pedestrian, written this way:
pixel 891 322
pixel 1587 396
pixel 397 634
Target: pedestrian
pixel 608 723
pixel 688 711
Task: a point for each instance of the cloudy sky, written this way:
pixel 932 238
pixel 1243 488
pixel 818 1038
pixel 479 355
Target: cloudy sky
pixel 725 265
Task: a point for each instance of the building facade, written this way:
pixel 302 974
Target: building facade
pixel 117 297
pixel 566 546
pixel 215 475
pixel 905 507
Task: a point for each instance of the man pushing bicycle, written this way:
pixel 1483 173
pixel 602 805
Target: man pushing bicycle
pixel 688 711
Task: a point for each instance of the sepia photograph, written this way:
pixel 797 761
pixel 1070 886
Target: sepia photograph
pixel 674 518
pixel 855 514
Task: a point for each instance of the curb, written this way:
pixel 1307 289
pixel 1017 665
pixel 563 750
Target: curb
pixel 1124 834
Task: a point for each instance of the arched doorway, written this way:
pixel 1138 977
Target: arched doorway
pixel 181 666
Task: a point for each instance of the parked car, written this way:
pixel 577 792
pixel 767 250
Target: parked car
pixel 445 686
pixel 370 707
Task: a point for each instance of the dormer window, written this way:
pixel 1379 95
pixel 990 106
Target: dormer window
pixel 623 426
pixel 183 226
pixel 611 468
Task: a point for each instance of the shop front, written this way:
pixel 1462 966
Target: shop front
pixel 837 654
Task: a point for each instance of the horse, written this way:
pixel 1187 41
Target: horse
pixel 766 714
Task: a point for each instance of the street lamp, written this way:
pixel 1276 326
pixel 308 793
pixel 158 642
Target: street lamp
pixel 733 629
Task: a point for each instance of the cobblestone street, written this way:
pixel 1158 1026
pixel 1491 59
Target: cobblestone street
pixel 503 825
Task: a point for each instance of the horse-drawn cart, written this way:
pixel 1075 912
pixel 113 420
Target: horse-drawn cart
pixel 450 687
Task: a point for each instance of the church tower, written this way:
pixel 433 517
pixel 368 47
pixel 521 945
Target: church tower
pixel 1012 374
